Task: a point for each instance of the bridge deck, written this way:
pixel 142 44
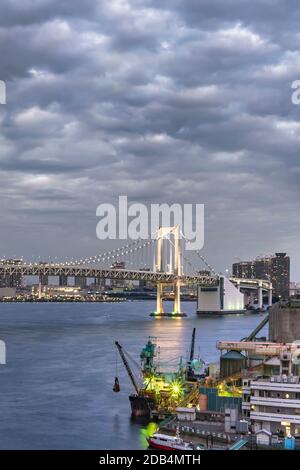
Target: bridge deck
pixel 109 273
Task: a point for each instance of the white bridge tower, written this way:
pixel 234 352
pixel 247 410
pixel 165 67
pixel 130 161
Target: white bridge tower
pixel 169 237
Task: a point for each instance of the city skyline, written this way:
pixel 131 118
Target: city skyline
pixel 162 103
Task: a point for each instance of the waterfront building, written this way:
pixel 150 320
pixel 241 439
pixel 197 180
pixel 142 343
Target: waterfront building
pixel 55 291
pixel 243 270
pixel 273 403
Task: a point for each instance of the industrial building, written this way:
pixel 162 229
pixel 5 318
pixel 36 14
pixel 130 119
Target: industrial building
pixel 284 322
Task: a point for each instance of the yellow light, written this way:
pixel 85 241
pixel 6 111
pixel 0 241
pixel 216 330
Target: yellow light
pixel 287 395
pixel 176 389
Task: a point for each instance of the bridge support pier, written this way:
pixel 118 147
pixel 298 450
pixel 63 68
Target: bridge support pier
pixel 270 299
pixel 177 305
pixel 159 303
pixel 260 297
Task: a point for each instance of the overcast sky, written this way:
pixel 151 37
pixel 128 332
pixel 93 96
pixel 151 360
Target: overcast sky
pixel 165 101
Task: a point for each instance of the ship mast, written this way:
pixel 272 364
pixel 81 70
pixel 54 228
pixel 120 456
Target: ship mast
pixel 127 367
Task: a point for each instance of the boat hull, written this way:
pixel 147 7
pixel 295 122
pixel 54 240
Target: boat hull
pixel 141 406
pixel 155 445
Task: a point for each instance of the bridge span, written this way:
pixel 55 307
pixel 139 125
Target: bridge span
pixel 107 273
pixel 170 267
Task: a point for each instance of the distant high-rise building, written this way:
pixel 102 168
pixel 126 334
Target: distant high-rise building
pixel 274 268
pixel 280 275
pixel 243 269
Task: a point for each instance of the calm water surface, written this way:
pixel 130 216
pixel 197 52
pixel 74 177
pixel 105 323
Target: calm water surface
pixel 56 389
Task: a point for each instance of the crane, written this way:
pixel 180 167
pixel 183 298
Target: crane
pixel 127 367
pixel 190 372
pixel 192 345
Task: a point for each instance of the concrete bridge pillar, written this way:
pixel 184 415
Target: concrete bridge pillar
pixel 177 270
pixel 159 300
pixel 177 304
pixel 270 293
pixel 260 296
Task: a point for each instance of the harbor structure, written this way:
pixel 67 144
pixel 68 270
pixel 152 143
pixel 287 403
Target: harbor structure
pixel 223 298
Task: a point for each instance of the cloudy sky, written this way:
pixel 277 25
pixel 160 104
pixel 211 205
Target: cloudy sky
pixel 165 101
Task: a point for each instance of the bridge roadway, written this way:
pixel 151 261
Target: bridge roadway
pixel 108 273
pixel 251 283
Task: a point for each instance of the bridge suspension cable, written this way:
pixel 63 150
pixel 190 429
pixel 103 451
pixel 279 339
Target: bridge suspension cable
pixel 111 255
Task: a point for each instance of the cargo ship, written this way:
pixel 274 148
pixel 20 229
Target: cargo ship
pixel 161 392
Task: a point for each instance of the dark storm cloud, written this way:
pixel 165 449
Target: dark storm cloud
pixel 169 101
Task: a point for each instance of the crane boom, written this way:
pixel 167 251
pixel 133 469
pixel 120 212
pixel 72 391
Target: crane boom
pixel 192 345
pixel 189 372
pixel 257 329
pixel 127 366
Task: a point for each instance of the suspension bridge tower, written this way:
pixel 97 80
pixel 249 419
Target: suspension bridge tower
pixel 168 248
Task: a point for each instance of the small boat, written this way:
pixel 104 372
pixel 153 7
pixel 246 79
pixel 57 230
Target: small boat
pixel 166 442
